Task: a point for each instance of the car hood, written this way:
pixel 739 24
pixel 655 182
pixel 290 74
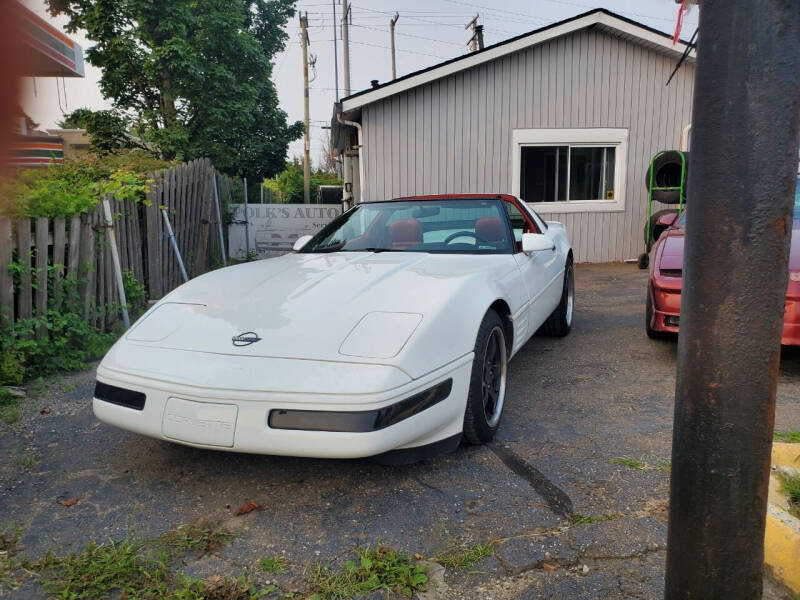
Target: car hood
pixel 671 252
pixel 794 256
pixel 308 306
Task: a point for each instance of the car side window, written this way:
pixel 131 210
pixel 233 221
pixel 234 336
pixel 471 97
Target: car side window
pixel 520 223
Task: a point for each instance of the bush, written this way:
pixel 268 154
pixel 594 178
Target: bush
pixel 76 186
pixel 287 186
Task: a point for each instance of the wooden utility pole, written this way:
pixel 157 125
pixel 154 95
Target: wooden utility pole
pixel 306 136
pixel 735 271
pixel 473 42
pixel 346 47
pixel 391 34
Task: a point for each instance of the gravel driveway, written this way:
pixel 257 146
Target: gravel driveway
pixel 586 433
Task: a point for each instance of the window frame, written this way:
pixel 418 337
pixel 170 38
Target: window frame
pixel 588 137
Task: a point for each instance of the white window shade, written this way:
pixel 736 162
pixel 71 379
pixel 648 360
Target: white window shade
pixel 570 170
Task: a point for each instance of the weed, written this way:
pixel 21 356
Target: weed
pixel 125 568
pixel 664 465
pixel 378 568
pixel 463 558
pixel 579 519
pixel 272 564
pixel 9 407
pixel 790 486
pixel 791 436
pixel 27 460
pixel 631 463
pixel 9 536
pixel 200 537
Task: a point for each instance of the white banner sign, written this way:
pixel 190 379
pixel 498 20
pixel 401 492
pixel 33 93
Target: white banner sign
pixel 274 228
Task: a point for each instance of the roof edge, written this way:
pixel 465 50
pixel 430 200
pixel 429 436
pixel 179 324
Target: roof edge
pixel 537 36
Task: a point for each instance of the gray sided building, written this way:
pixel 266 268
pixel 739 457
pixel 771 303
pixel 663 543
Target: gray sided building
pixel 566 117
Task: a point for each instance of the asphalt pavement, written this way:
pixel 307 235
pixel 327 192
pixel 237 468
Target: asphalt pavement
pixel 572 495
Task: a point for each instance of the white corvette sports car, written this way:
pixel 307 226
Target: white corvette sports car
pixel 387 333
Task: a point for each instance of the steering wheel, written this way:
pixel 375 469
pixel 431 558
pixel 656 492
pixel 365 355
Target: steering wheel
pixel 458 234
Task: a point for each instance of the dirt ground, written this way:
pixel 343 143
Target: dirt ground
pixel 576 406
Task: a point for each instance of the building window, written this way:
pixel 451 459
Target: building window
pixel 570 170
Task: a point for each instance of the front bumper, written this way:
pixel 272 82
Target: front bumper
pixel 667 308
pixel 239 421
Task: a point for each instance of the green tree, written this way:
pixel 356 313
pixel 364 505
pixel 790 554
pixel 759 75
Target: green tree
pixel 109 129
pixel 197 75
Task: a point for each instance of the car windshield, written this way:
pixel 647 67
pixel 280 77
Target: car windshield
pixel 468 226
pixel 797 201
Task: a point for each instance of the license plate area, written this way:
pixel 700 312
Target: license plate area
pixel 203 423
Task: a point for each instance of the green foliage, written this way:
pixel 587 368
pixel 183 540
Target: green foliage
pixel 579 519
pixel 76 186
pixel 195 76
pixel 10 411
pixel 287 186
pixel 631 463
pixel 71 341
pixel 792 436
pixel 9 536
pixel 201 537
pixel 108 129
pixel 790 486
pixel 272 564
pixel 380 568
pixel 135 294
pixel 463 558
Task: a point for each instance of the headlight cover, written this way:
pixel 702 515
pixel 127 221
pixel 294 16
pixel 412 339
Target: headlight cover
pixel 380 334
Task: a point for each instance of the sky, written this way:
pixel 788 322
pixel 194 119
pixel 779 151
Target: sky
pixel 427 32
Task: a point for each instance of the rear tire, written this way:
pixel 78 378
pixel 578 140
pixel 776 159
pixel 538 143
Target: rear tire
pixel 559 323
pixel 487 383
pixel 644 261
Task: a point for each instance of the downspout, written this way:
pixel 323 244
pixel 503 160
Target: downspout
pixel 685 138
pixel 360 155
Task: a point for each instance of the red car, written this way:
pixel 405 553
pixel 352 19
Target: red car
pixel 666 265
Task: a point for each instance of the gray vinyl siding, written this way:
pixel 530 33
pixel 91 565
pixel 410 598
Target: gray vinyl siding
pixel 454 135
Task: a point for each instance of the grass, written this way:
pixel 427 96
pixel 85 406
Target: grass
pixel 792 436
pixel 378 568
pixel 200 537
pixel 10 410
pixel 464 558
pixel 134 569
pixel 579 519
pixel 632 463
pixel 27 460
pixel 790 486
pixel 272 564
pixel 9 536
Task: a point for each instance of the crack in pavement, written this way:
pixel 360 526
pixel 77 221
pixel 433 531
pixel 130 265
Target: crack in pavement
pixel 557 499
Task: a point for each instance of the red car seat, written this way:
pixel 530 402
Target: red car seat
pixel 491 229
pixel 405 233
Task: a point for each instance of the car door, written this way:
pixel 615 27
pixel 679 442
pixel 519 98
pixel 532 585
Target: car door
pixel 541 271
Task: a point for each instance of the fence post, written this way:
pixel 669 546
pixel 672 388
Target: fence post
pixel 24 259
pixel 112 240
pixel 42 226
pixel 219 220
pixel 6 282
pixel 174 244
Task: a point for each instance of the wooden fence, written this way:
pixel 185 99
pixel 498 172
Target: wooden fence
pixel 39 256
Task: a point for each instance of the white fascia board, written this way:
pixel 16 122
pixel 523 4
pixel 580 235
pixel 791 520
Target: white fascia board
pixel 473 60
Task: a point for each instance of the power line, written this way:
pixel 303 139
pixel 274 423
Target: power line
pixel 419 37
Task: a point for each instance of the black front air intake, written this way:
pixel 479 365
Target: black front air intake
pixel 119 396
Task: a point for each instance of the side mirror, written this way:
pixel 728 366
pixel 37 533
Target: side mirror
pixel 667 219
pixel 536 242
pixel 301 241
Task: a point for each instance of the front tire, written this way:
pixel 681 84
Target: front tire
pixel 487 385
pixel 653 334
pixel 559 323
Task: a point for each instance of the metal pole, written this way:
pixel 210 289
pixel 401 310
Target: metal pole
pixel 335 54
pixel 219 222
pixel 306 117
pixel 174 243
pixel 246 222
pixel 112 240
pixel 345 47
pixel 391 35
pixel 741 182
